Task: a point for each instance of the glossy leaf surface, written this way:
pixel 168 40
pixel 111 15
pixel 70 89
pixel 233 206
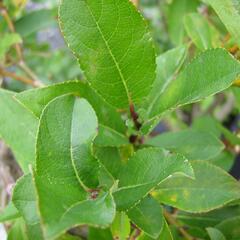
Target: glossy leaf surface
pixel 199 194
pixel 194 145
pixel 148 216
pixel 209 73
pixel 63 203
pixel 201 32
pixel 144 171
pixel 114 48
pixel 229 12
pixel 36 99
pixel 18 129
pixel 215 234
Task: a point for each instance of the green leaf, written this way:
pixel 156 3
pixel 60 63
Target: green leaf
pixel 121 227
pixel 148 216
pixel 19 230
pixel 99 234
pixel 36 21
pixel 106 181
pixel 95 213
pixel 144 171
pixel 224 160
pixel 168 65
pixel 202 33
pixel 24 199
pixel 9 213
pixel 114 48
pixel 230 228
pixel 37 99
pixel 208 124
pixel 236 93
pixel 175 16
pixel 209 73
pixel 35 231
pixel 68 237
pixel 212 188
pixel 7 40
pixel 55 175
pixel 193 144
pixel 197 232
pixel 18 129
pixel 165 233
pixel 111 158
pixel 211 125
pixel 83 131
pixel 215 234
pixel 209 219
pixel 108 137
pixel 229 13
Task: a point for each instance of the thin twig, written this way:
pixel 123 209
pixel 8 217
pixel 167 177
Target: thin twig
pixel 236 83
pixel 21 63
pixel 135 117
pixel 135 139
pixel 23 79
pixel 173 221
pixel 135 2
pixel 29 72
pixel 136 232
pixel 233 50
pixel 11 27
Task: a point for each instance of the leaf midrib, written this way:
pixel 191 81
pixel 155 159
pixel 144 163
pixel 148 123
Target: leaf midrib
pixel 111 54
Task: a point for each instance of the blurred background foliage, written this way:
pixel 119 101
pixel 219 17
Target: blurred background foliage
pixel 43 49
